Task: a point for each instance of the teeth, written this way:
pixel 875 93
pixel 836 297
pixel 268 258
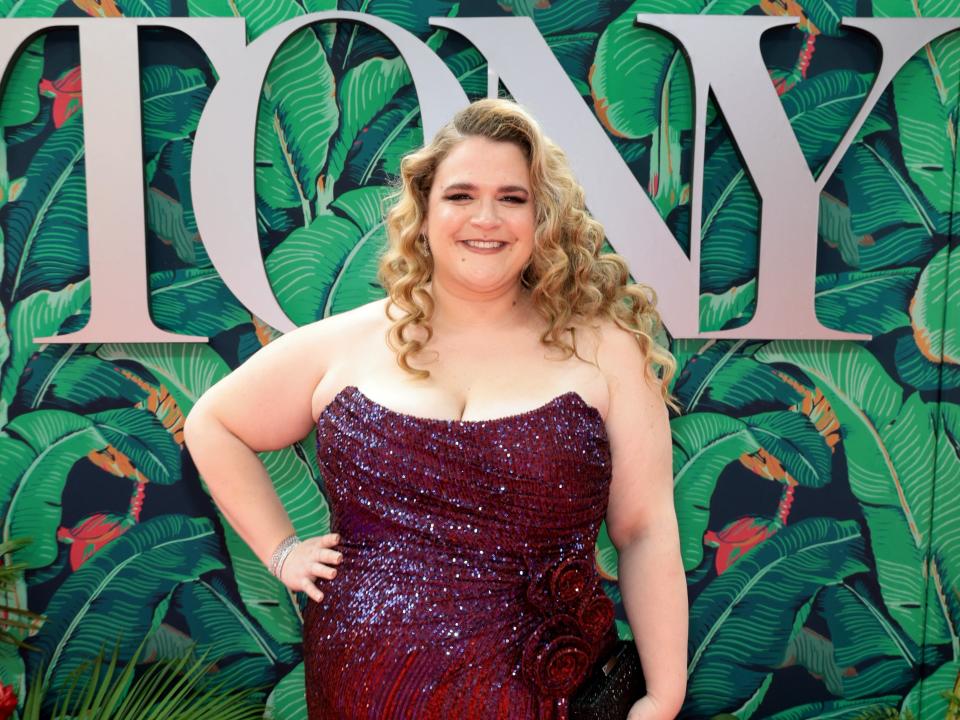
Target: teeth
pixel 483 243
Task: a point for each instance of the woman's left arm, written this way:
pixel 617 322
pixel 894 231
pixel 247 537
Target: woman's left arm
pixel 642 524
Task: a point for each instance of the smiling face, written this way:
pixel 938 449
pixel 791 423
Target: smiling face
pixel 480 217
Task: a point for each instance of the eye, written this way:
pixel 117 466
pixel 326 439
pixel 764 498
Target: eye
pixel 458 196
pixel 516 199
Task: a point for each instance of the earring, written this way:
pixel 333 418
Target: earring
pixel 422 246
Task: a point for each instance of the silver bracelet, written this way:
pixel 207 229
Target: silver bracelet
pixel 280 554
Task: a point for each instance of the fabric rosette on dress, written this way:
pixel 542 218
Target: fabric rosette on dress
pixel 576 627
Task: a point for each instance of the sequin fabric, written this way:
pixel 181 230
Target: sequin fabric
pixel 468 587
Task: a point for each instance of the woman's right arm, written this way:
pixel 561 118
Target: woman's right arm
pixel 265 404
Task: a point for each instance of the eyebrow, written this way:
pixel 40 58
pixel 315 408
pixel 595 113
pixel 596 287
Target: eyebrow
pixel 471 186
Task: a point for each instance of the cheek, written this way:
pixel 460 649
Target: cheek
pixel 444 216
pixel 525 226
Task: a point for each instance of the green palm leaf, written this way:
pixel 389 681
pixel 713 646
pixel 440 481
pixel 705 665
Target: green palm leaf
pixel 918 370
pixel 139 435
pixel 726 378
pixel 68 379
pixel 945 529
pixel 759 597
pixel 356 281
pixel 883 203
pixel 40 8
pixel 194 301
pixel 171 217
pixel 172 100
pixel 869 302
pixel 835 229
pixel 927 118
pixel 731 211
pixel 836 709
pixel 303 268
pixel 938 341
pixel 950 422
pixel 719 309
pixel 565 17
pixel 821 108
pixel 45 231
pixel 703 445
pixel 39 315
pixel 889 446
pixel 390 135
pixel 287 701
pixel 296 119
pixel 121 587
pixel 187 370
pixel 795 442
pixel 20 103
pixel 248 655
pixel 354 43
pixel 926 698
pixel 260 15
pixel 870 654
pixel 874 303
pixel 363 93
pixel 167 219
pixel 145 8
pixel 393 132
pixel 331 266
pixel 925 93
pixel 640 79
pixel 55 440
pixel 826 14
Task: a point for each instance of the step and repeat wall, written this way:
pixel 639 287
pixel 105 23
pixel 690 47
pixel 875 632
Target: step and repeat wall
pixel 817 480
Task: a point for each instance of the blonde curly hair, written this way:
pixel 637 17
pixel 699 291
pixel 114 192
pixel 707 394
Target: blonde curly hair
pixel 567 275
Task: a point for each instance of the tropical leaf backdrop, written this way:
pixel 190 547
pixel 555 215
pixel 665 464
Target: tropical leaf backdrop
pixel 817 483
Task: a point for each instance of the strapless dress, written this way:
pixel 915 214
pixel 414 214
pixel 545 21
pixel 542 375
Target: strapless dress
pixel 468 586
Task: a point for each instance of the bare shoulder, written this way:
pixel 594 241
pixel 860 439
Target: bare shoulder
pixel 266 402
pixel 634 389
pixel 328 336
pixel 615 350
pixel 315 345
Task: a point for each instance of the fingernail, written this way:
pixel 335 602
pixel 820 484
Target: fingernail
pixel 336 538
pixel 333 574
pixel 340 558
pixel 321 596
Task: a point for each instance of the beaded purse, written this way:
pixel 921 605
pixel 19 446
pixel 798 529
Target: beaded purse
pixel 612 688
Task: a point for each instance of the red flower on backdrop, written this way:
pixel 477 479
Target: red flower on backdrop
pixel 66 94
pixel 8 701
pixel 89 535
pixel 737 538
pixel 575 615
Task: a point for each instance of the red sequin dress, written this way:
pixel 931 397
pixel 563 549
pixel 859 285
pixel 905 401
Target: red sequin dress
pixel 468 587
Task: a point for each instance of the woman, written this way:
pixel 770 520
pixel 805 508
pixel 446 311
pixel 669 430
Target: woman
pixel 509 399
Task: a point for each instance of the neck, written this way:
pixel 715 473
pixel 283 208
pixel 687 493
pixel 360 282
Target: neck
pixel 457 309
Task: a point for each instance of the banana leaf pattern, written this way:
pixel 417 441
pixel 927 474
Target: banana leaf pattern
pixel 816 484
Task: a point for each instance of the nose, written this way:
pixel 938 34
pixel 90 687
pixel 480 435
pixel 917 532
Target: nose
pixel 486 215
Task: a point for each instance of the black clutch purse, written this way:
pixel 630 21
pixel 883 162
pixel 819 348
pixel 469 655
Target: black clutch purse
pixel 613 686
